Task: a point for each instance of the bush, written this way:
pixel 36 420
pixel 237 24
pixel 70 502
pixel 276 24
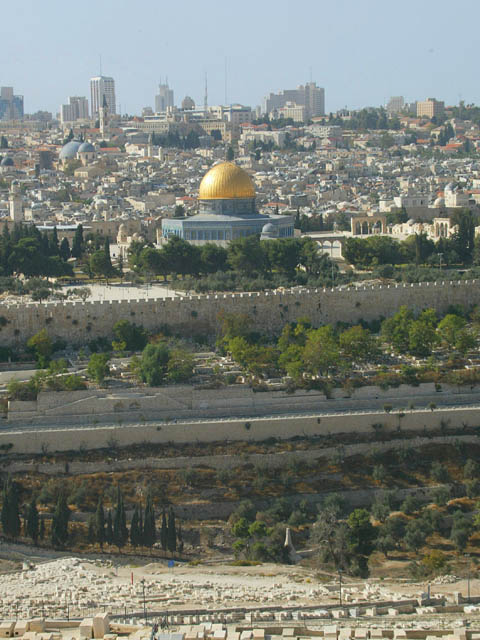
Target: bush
pixel 470 470
pixel 438 472
pixel 472 488
pixel 379 473
pixel 410 505
pixel 441 496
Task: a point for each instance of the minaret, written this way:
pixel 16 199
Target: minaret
pixel 15 202
pixel 103 113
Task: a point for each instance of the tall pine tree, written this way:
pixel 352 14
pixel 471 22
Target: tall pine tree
pixel 120 531
pixel 10 515
pixel 61 517
pixel 32 521
pixel 171 532
pixel 109 530
pixel 100 523
pixel 164 531
pixel 78 242
pixel 149 533
pixel 135 532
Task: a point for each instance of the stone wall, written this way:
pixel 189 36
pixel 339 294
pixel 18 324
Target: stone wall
pixel 91 407
pixel 38 440
pixel 79 322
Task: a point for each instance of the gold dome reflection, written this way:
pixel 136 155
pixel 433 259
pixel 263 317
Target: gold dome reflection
pixel 225 181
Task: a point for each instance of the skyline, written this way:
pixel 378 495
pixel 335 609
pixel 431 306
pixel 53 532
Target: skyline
pixel 361 53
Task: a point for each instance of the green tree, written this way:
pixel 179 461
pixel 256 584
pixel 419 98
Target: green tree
pixel 120 531
pixel 358 344
pixel 101 264
pixel 180 365
pixel 109 528
pixel 361 532
pixel 133 336
pixel 164 531
pixel 153 364
pixel 321 353
pixel 415 535
pixel 97 368
pixel 99 526
pixel 42 347
pixel 78 242
pixel 396 329
pixel 60 520
pixel 64 249
pixel 461 530
pixel 422 334
pixel 136 537
pixel 171 532
pixel 213 258
pixel 149 532
pixel 247 256
pixel 230 154
pixel 10 515
pixel 32 528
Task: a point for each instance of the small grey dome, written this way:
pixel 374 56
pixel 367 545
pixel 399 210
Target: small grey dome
pixel 268 228
pixel 7 162
pixel 86 147
pixel 69 151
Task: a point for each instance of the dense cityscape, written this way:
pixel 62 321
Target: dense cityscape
pixel 239 360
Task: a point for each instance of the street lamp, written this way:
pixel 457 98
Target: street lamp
pixel 340 585
pixel 440 260
pixel 142 582
pixel 467 557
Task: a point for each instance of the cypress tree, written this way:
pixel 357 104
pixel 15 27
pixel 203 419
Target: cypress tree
pixel 109 531
pixel 60 519
pixel 149 533
pixel 32 521
pixel 100 523
pixel 120 531
pixel 164 531
pixel 171 532
pixel 77 243
pixel 65 249
pixel 140 527
pixel 10 513
pixel 134 528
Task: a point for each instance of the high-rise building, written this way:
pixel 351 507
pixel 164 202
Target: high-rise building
pixel 76 109
pixel 11 106
pixel 101 86
pixel 309 96
pixel 395 105
pixel 164 99
pixel 430 108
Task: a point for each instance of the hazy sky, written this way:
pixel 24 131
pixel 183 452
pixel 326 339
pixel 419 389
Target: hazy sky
pixel 361 51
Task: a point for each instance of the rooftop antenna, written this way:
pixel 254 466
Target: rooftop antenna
pixel 166 81
pixel 100 64
pixel 205 100
pixel 310 75
pixel 226 100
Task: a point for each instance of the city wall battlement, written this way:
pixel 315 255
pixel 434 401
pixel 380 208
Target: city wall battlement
pixel 79 322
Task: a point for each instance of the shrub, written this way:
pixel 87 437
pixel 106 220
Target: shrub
pixel 470 470
pixel 410 505
pixel 438 472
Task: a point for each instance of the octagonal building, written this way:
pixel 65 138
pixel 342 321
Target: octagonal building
pixel 227 211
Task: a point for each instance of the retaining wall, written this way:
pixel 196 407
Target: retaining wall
pixel 254 429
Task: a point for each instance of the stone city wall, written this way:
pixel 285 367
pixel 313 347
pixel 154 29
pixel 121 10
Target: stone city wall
pixel 40 440
pixel 79 322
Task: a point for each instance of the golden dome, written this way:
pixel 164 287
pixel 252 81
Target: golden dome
pixel 225 181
